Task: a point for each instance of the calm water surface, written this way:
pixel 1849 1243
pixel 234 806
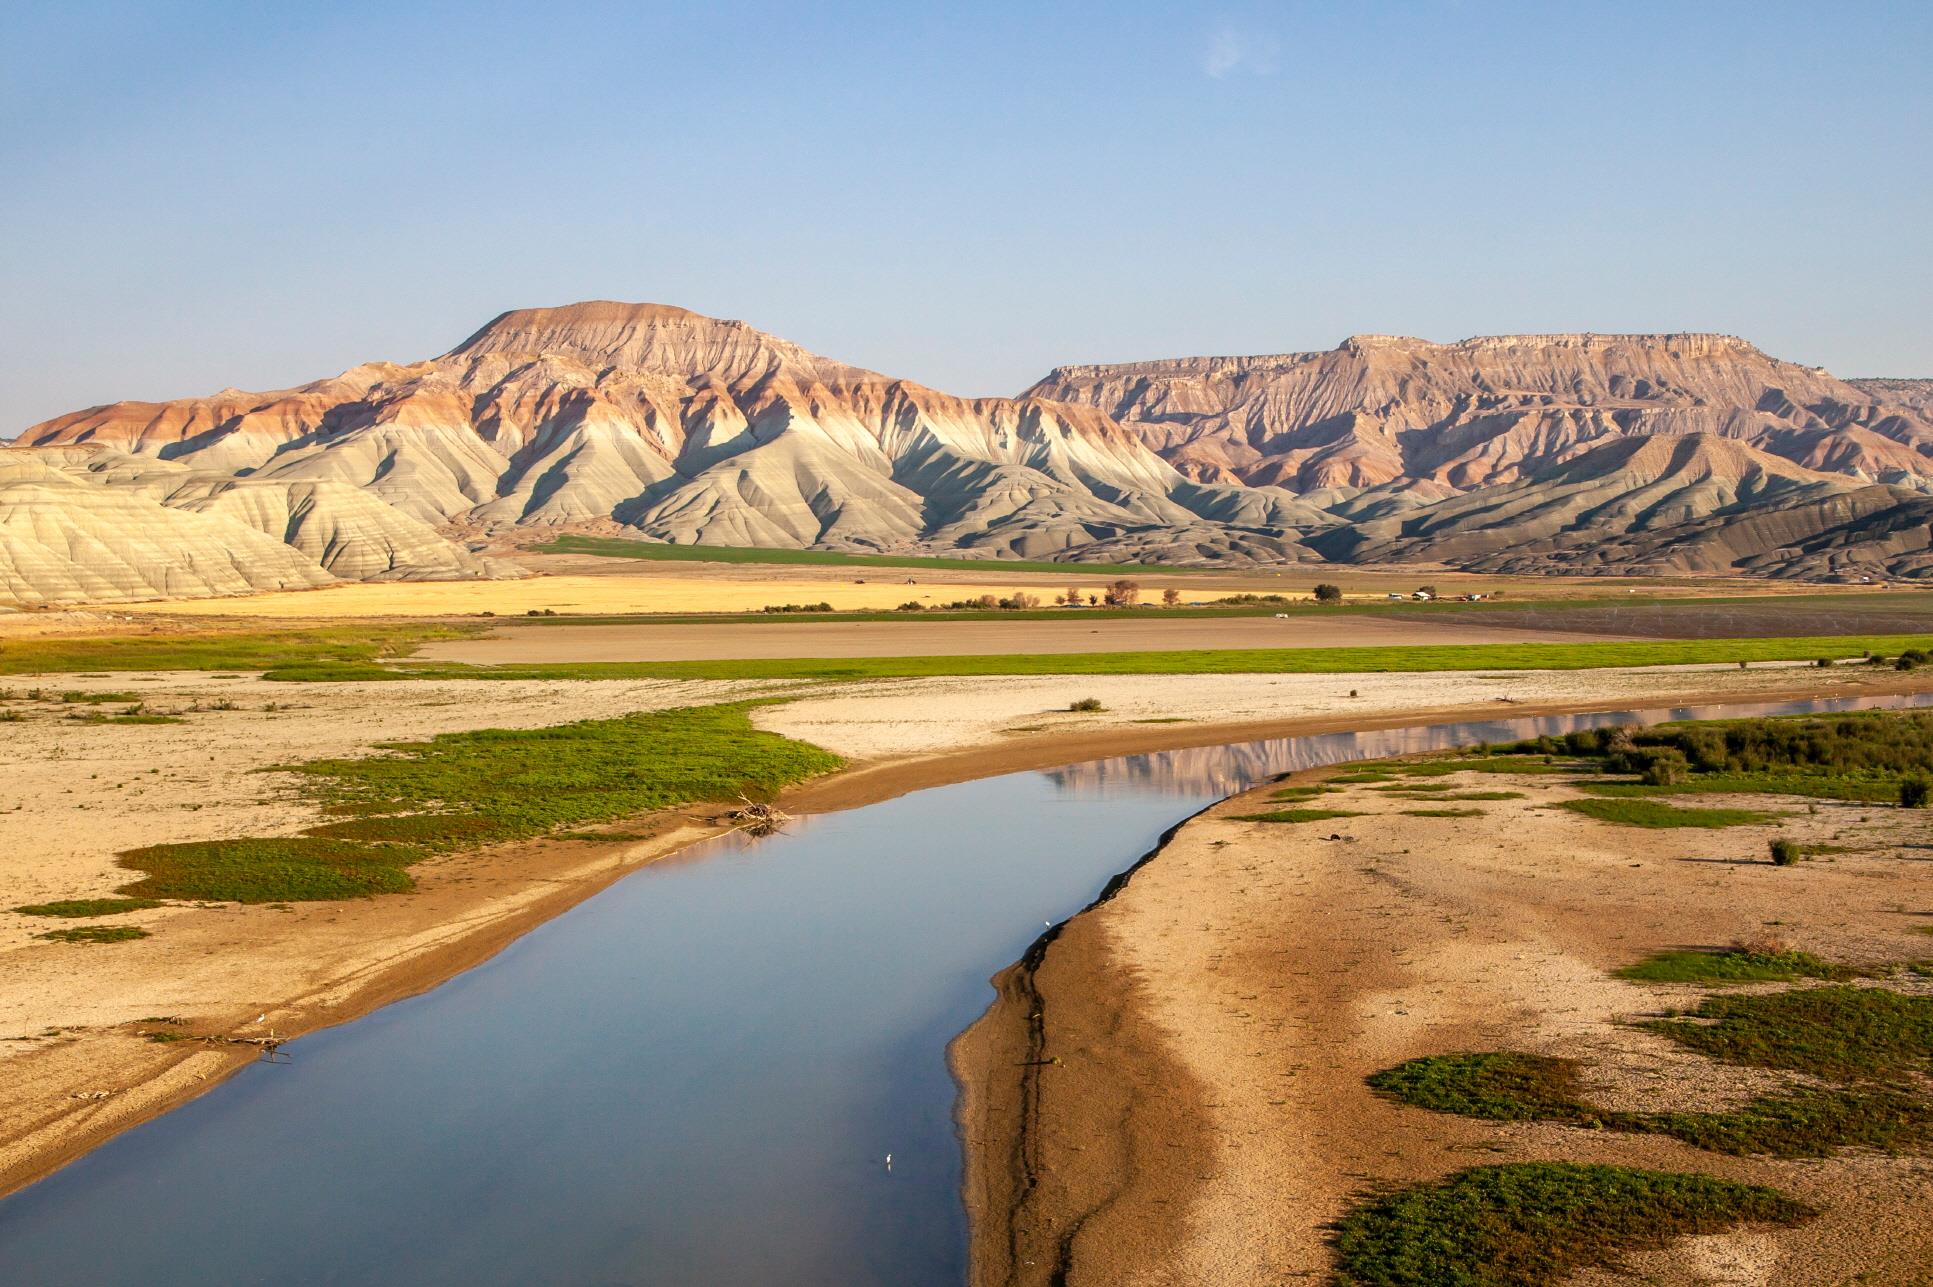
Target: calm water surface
pixel 692 1078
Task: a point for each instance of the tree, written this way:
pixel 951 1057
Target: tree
pixel 1123 593
pixel 1326 593
pixel 1912 793
pixel 1170 597
pixel 1427 589
pixel 1072 598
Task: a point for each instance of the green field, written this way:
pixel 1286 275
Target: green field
pixel 1539 656
pixel 215 650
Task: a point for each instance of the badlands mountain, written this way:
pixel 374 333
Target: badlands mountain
pixel 1541 453
pixel 1546 453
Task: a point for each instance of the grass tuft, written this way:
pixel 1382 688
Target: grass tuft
pixel 1295 815
pixel 1650 813
pixel 1734 965
pixel 1506 1086
pixel 95 934
pixel 1839 1032
pixel 1534 1223
pixel 76 908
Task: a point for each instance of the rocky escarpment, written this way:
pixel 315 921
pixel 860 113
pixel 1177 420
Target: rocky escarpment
pixel 1379 409
pixel 1676 452
pixel 1552 453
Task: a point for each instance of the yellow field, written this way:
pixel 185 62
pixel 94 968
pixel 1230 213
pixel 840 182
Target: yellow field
pixel 580 585
pixel 615 594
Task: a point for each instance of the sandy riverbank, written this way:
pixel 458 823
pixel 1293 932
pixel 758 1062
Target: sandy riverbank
pixel 1171 1090
pixel 73 1067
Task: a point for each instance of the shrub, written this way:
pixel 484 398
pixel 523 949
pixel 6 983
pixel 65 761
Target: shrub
pixel 1086 704
pixel 1667 767
pixel 1327 593
pixel 1912 793
pixel 911 605
pixel 1784 852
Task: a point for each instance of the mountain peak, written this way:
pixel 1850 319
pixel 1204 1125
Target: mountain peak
pixel 648 337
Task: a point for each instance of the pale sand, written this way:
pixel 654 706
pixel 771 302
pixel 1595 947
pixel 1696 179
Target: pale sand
pixel 907 718
pixel 73 795
pixel 913 637
pixel 1214 1022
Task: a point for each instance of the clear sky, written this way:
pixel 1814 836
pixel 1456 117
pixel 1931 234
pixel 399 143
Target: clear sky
pixel 198 195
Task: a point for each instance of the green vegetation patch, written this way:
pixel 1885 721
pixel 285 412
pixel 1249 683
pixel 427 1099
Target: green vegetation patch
pixel 217 650
pixel 1295 815
pixel 1506 1086
pixel 1527 1224
pixel 1838 1032
pixel 270 869
pixel 1650 813
pixel 1443 813
pixel 463 790
pixel 1309 791
pixel 1484 764
pixel 1426 657
pixel 1814 786
pixel 95 934
pixel 74 697
pixel 1868 756
pixel 76 908
pixel 1733 965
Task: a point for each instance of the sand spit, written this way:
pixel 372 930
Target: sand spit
pixel 74 1067
pixel 1170 1090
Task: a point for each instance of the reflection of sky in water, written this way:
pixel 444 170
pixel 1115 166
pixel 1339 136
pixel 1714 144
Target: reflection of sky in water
pixel 691 1078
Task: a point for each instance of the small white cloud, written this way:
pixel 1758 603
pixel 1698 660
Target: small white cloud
pixel 1224 52
pixel 1231 49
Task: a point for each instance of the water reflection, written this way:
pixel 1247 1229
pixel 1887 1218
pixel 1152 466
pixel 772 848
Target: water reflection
pixel 1223 770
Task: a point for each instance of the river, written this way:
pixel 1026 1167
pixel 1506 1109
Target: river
pixel 694 1077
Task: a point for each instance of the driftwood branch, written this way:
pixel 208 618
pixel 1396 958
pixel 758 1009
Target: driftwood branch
pixel 756 817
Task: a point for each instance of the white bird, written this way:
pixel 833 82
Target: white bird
pixel 263 1015
pixel 889 1164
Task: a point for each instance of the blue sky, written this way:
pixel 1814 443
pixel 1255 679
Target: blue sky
pixel 205 194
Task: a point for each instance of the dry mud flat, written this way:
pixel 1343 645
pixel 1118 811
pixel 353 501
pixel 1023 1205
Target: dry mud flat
pixel 915 638
pixel 1172 1089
